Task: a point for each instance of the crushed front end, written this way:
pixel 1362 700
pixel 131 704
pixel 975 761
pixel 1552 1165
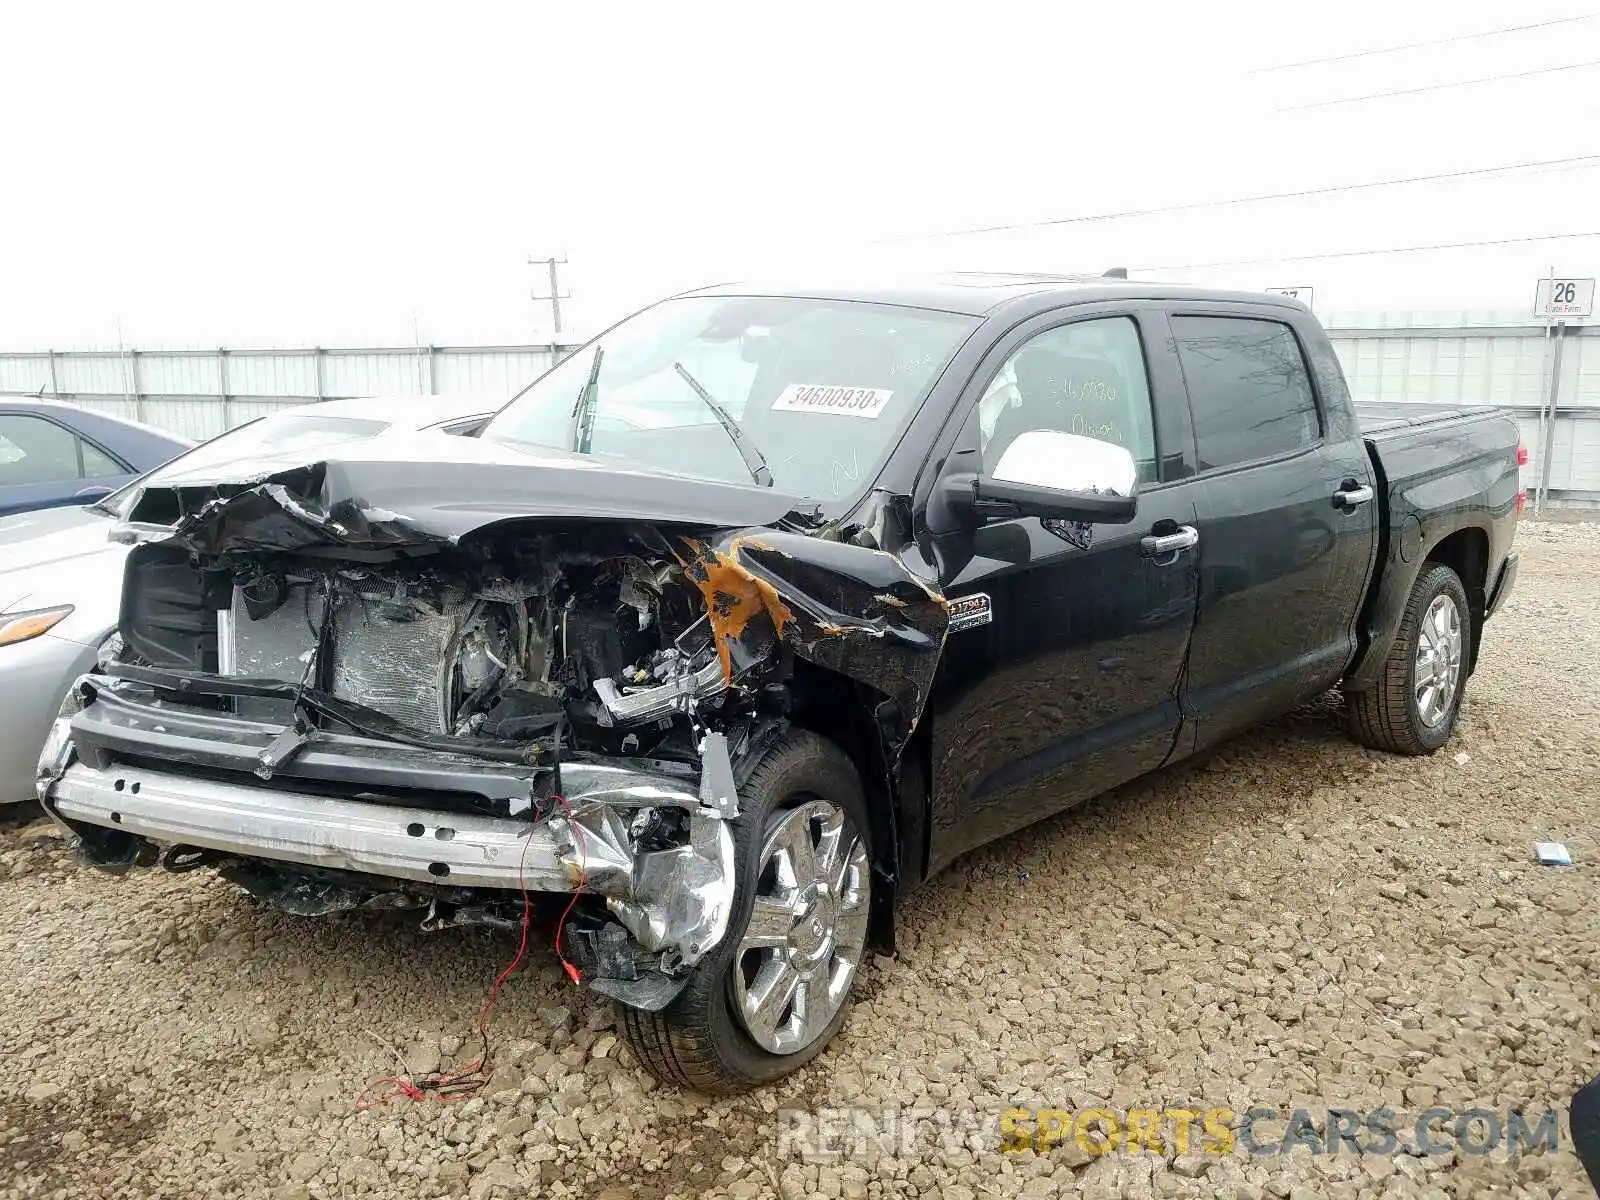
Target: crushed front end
pixel 338 707
pixel 435 730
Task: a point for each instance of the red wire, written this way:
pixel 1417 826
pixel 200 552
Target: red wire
pixel 493 997
pixel 434 1086
pixel 583 878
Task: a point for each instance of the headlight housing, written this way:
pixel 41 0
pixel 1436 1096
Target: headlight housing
pixel 56 754
pixel 110 651
pixel 24 626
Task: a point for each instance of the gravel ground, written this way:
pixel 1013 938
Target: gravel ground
pixel 1293 921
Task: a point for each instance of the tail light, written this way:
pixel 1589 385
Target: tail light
pixel 1522 501
pixel 1522 455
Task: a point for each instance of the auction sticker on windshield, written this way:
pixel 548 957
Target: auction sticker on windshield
pixel 825 398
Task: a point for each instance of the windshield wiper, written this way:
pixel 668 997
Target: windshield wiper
pixel 753 461
pixel 582 433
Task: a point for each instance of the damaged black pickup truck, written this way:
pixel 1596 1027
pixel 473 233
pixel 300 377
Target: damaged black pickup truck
pixel 762 608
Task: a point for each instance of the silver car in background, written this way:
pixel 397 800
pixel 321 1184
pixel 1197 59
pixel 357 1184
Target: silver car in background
pixel 61 568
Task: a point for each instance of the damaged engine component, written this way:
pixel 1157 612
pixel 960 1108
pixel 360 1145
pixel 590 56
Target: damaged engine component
pixel 342 707
pixel 491 641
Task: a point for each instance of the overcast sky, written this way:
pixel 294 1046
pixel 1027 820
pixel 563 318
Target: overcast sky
pixel 343 174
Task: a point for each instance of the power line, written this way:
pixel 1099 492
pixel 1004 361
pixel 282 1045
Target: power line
pixel 1128 214
pixel 1250 262
pixel 1461 37
pixel 1439 87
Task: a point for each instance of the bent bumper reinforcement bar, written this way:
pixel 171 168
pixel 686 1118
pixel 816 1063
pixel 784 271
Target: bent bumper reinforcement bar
pixel 318 831
pixel 674 899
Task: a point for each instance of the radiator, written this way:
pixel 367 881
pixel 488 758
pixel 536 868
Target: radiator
pixel 388 654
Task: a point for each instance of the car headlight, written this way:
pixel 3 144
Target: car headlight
pixel 56 754
pixel 110 651
pixel 22 626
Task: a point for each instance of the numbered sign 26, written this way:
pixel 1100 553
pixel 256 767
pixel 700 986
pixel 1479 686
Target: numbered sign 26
pixel 1564 298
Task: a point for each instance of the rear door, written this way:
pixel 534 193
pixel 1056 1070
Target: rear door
pixel 43 464
pixel 1059 677
pixel 1288 515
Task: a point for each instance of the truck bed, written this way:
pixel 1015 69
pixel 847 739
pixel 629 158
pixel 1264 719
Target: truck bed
pixel 1433 458
pixel 1379 416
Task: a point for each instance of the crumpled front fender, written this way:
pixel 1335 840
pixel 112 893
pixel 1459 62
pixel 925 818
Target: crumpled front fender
pixel 859 612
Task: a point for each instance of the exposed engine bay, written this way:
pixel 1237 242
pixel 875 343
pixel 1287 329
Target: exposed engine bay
pixel 339 706
pixel 604 636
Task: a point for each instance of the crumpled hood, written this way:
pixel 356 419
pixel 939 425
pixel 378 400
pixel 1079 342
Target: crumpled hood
pixel 414 490
pixel 857 611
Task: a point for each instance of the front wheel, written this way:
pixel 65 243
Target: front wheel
pixel 1412 708
pixel 772 994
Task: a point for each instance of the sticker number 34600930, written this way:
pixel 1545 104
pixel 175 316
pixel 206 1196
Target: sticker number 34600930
pixel 826 398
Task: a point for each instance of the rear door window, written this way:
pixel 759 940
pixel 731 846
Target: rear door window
pixel 1249 389
pixel 97 464
pixel 34 450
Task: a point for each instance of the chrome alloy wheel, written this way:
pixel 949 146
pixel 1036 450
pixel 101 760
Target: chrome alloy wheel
pixel 807 928
pixel 1436 672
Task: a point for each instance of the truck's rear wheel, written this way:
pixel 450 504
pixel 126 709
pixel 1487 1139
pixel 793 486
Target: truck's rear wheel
pixel 1412 708
pixel 768 999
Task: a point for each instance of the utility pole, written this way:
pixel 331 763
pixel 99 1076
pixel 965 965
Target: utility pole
pixel 555 295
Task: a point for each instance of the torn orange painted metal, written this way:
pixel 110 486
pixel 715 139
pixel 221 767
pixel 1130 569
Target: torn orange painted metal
pixel 857 611
pixel 734 598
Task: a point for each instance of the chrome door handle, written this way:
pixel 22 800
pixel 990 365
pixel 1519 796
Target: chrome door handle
pixel 1157 545
pixel 1352 497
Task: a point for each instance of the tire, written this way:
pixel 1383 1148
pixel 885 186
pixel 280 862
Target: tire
pixel 701 1041
pixel 1391 716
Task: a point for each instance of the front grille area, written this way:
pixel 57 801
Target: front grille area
pixel 281 644
pixel 394 661
pixel 389 654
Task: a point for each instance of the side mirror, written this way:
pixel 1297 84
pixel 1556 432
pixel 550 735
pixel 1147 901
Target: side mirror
pixel 1046 473
pixel 1068 462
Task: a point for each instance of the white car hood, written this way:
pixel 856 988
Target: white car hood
pixel 56 557
pixel 51 535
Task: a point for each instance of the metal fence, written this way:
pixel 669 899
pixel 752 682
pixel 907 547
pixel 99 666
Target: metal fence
pixel 1548 376
pixel 201 393
pixel 1463 358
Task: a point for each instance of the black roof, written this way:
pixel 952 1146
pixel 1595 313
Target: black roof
pixel 978 293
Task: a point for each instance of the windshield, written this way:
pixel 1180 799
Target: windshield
pixel 818 389
pixel 280 431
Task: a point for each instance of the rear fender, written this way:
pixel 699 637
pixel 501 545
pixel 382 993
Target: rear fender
pixel 1464 549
